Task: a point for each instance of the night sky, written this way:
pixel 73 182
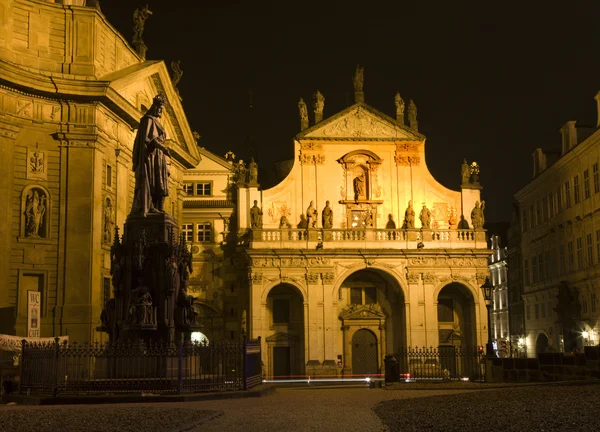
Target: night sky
pixel 491 81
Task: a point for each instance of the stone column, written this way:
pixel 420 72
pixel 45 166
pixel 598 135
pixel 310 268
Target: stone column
pixel 416 309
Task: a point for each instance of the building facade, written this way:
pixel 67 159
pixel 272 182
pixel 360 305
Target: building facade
pixel 560 244
pixel 499 280
pixel 72 94
pixel 342 268
pixel 516 311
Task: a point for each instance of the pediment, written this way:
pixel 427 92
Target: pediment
pixel 361 122
pixel 138 84
pixel 280 337
pixel 361 312
pixel 211 162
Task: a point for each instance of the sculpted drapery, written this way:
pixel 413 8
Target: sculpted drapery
pixel 150 162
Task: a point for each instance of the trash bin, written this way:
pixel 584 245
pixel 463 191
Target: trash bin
pixel 391 369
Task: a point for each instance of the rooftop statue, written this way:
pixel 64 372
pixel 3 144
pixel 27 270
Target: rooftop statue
pixel 139 18
pixel 319 102
pixel 359 77
pixel 302 109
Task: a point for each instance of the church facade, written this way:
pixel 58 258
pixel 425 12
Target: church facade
pixel 359 252
pixel 73 91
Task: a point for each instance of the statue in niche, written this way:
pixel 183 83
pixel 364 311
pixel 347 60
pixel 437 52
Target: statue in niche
pixel 303 224
pixel 256 216
pixel 284 222
pixel 139 19
pixel 359 77
pixel 35 208
pixel 150 162
pixel 412 115
pixel 399 102
pixel 302 110
pixel 409 217
pixel 140 306
pixel 327 216
pixel 477 218
pixel 391 224
pixel 452 221
pixel 425 217
pixel 319 102
pixel 465 172
pixel 474 171
pixel 252 172
pixel 311 215
pixel 109 221
pixel 172 274
pixel 359 187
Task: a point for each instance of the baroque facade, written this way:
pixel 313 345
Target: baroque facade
pixel 499 281
pixel 359 251
pixel 73 91
pixel 560 243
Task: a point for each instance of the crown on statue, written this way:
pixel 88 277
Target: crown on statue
pixel 159 99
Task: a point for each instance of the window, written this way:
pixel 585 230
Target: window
pixel 356 296
pixel 561 253
pixel 596 180
pixel 571 256
pixel 526 271
pixel 528 312
pixel 203 189
pixel 538 213
pixel 281 311
pixel 593 302
pixel 204 232
pixel 545 209
pixel 108 175
pixel 445 310
pixel 590 249
pixel 188 188
pixel 551 204
pixel 558 200
pixel 567 194
pixel 359 296
pixel 586 184
pixel 370 295
pixel 188 232
pixel 579 253
pixel 524 220
pixel 584 305
pixel 537 311
pixel 576 189
pixel 534 265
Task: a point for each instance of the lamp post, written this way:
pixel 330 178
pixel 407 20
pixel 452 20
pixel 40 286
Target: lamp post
pixel 487 296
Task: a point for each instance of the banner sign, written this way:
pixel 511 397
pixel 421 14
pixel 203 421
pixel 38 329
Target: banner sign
pixel 33 313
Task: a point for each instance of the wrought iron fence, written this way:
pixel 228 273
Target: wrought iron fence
pixel 63 368
pixel 443 363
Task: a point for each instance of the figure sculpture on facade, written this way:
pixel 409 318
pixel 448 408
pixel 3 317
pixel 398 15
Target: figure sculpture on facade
pixel 302 109
pixel 109 221
pixel 35 208
pixel 139 18
pixel 150 162
pixel 425 217
pixel 477 218
pixel 359 187
pixel 256 216
pixel 140 306
pixel 412 115
pixel 176 73
pixel 185 267
pixel 465 172
pixel 311 215
pixel 409 217
pixel 239 172
pixel 252 172
pixel 319 102
pixel 172 274
pixel 327 216
pixel 284 223
pixel 399 103
pixel 359 77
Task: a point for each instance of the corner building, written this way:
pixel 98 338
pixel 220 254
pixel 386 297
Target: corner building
pixel 71 96
pixel 337 300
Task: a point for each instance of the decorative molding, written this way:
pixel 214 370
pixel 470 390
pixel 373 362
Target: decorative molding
pixel 314 159
pixel 413 277
pixel 312 146
pixel 423 261
pixel 360 124
pixel 327 277
pixel 430 278
pixel 312 278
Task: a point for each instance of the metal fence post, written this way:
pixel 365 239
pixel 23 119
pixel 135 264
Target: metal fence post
pixel 55 381
pixel 180 368
pixel 23 343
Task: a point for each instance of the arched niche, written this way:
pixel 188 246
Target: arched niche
pixel 36 211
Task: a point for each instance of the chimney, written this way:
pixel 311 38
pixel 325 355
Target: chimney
pixel 318 105
pixel 598 107
pixel 539 161
pixel 569 136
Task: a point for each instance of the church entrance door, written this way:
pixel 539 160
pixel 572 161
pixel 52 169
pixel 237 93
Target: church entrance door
pixel 364 353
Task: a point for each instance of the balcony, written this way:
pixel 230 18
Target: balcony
pixel 366 239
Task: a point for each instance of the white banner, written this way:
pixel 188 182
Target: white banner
pixel 33 313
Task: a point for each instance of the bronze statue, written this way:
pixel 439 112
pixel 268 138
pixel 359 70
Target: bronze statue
pixel 359 77
pixel 425 217
pixel 256 215
pixel 327 216
pixel 409 217
pixel 150 162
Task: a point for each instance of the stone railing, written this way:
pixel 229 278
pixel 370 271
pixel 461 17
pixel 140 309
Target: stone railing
pixel 367 238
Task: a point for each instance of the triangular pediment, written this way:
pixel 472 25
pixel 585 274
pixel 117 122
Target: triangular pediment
pixel 281 337
pixel 211 162
pixel 354 312
pixel 363 122
pixel 138 84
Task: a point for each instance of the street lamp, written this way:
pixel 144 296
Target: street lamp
pixel 487 296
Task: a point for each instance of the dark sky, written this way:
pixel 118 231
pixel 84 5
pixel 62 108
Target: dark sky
pixel 491 81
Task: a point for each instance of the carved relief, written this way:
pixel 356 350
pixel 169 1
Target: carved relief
pixel 312 146
pixel 327 277
pixel 430 278
pixel 316 159
pixel 413 278
pixel 35 211
pixel 291 262
pixel 361 124
pixel 277 210
pixel 53 112
pixel 24 108
pixel 422 261
pixel 36 165
pixel 312 278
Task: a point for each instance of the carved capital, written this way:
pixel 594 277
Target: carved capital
pixel 312 278
pixel 413 277
pixel 327 277
pixel 430 278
